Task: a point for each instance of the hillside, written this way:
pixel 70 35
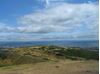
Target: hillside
pixel 49 60
pixel 35 54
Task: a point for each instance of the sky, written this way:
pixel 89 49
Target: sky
pixel 40 20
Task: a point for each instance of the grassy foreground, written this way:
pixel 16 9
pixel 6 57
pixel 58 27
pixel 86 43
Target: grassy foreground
pixel 49 60
pixel 51 67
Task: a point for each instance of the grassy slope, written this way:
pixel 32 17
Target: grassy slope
pixel 24 60
pixel 36 54
pixel 51 67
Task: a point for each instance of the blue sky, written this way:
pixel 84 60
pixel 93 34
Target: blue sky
pixel 35 20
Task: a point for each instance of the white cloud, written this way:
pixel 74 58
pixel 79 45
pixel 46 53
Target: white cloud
pixel 47 3
pixel 63 17
pixel 59 21
pixel 4 28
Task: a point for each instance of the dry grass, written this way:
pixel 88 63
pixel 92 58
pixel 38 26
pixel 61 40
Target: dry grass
pixel 51 67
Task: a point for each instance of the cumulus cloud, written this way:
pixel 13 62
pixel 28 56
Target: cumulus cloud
pixel 44 37
pixel 5 28
pixel 61 18
pixel 58 21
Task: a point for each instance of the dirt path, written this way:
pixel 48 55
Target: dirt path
pixel 61 67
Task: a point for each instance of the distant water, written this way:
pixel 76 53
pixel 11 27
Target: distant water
pixel 73 43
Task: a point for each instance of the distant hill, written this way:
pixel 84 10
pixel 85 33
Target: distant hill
pixel 66 43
